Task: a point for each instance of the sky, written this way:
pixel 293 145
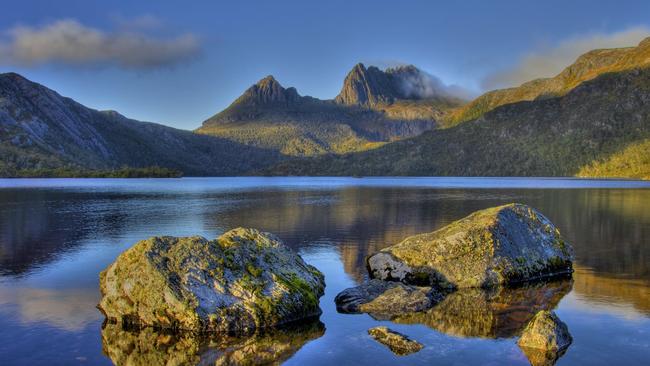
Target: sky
pixel 179 62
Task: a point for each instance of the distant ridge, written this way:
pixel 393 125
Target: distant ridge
pixel 588 66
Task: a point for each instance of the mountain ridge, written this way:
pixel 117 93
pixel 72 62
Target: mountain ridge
pixel 40 129
pixel 586 67
pixel 556 136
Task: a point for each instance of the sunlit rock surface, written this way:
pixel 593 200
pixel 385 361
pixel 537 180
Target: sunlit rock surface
pixel 244 280
pixel 546 332
pixel 499 312
pixel 398 343
pixel 500 245
pixel 148 346
pixel 382 298
pixel 545 339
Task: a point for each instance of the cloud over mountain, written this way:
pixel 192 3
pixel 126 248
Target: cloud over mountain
pixel 68 42
pixel 549 60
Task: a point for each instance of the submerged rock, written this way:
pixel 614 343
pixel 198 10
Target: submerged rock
pixel 546 332
pixel 382 298
pixel 149 346
pixel 398 343
pixel 500 245
pixel 244 280
pixel 497 312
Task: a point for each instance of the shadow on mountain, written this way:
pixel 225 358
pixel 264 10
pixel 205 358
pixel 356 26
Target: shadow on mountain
pixel 149 346
pixel 490 313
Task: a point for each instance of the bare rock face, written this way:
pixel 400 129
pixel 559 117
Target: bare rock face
pixel 500 245
pixel 381 298
pixel 398 343
pixel 242 281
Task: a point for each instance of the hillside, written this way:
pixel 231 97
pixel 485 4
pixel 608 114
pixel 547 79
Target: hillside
pixel 586 67
pixel 554 136
pixel 631 162
pixel 40 129
pixel 269 116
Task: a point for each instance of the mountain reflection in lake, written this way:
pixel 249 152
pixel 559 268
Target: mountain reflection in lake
pixel 56 236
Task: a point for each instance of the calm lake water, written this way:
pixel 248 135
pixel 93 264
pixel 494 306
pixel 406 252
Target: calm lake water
pixel 57 235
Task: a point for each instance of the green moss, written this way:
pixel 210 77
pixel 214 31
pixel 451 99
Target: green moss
pixel 254 271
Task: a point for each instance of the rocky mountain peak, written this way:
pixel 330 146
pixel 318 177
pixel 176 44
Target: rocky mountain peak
pixel 269 91
pixel 367 87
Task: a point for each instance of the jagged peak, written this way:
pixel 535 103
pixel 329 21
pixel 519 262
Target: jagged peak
pixel 268 90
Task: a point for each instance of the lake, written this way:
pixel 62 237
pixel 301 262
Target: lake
pixel 56 235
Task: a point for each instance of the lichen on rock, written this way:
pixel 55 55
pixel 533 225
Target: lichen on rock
pixel 398 343
pixel 242 281
pixel 501 245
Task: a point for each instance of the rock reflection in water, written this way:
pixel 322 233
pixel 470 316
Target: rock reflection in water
pixel 149 346
pixel 538 357
pixel 501 312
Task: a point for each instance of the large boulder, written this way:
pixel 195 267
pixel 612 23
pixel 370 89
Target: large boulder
pixel 244 280
pixel 384 299
pixel 500 245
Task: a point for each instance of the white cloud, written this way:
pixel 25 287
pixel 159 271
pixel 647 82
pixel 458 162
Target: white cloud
pixel 69 42
pixel 548 61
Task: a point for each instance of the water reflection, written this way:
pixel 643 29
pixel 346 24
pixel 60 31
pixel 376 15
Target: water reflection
pixel 54 242
pixel 500 312
pixel 538 357
pixel 148 346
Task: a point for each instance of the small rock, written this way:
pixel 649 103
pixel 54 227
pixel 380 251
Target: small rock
pixel 546 332
pixel 242 281
pixel 398 343
pixel 383 298
pixel 500 245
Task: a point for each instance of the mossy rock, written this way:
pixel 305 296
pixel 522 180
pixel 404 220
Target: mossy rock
pixel 501 245
pixel 242 281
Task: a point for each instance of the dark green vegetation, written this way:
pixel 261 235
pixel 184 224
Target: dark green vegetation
pixel 125 172
pixel 598 120
pixel 41 130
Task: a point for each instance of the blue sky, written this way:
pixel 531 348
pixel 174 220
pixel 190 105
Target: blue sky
pixel 192 58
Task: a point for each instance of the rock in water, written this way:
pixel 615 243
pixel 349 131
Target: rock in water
pixel 500 245
pixel 398 343
pixel 381 298
pixel 244 280
pixel 546 332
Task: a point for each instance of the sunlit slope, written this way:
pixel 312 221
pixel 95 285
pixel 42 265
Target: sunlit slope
pixel 586 67
pixel 631 162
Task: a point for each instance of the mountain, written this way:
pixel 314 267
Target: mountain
pixel 595 122
pixel 586 67
pixel 40 129
pixel 269 116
